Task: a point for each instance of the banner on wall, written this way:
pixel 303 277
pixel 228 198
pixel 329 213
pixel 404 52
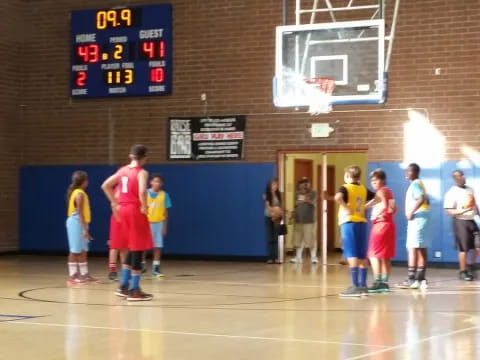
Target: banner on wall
pixel 206 138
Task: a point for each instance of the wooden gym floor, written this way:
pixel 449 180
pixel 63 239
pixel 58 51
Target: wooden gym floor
pixel 232 311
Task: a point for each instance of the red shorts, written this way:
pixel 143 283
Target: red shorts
pixel 118 239
pixel 135 227
pixel 382 240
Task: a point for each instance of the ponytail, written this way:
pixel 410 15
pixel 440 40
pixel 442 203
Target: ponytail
pixel 78 178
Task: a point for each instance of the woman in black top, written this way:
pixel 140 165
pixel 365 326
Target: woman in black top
pixel 273 217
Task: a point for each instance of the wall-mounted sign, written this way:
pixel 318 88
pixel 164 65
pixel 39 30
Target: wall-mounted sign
pixel 206 138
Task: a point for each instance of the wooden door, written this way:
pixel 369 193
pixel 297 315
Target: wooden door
pixel 331 216
pixel 303 168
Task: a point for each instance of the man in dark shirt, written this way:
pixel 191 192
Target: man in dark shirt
pixel 305 224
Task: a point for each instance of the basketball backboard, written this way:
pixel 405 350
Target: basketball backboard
pixel 351 53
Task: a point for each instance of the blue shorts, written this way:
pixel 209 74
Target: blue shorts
pixel 354 239
pixel 157 234
pixel 417 230
pixel 76 242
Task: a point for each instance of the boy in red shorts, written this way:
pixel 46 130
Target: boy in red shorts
pixel 382 234
pixel 131 208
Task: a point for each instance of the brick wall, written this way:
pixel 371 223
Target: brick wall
pixel 10 114
pixel 225 48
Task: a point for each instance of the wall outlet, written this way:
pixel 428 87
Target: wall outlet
pixel 437 254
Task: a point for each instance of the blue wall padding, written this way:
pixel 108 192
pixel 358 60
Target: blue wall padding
pixel 43 207
pixel 217 208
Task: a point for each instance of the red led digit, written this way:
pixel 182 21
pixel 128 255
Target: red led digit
pixel 148 47
pixel 161 49
pixel 89 53
pixel 93 53
pixel 81 78
pixel 82 52
pixel 157 75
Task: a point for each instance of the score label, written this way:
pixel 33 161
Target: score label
pixel 121 52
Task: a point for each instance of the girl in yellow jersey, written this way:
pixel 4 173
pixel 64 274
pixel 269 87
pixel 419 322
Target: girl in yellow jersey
pixel 158 204
pixel 78 220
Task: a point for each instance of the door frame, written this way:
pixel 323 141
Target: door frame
pixel 280 175
pixel 320 205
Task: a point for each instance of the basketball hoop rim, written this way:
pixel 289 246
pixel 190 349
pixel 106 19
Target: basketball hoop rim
pixel 324 84
pixel 317 80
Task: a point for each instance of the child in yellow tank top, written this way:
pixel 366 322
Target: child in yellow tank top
pixel 158 202
pixel 78 220
pixel 352 199
pixel 417 212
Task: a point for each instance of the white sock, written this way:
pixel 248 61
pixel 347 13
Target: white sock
pixel 83 268
pixel 313 253
pixel 299 253
pixel 156 262
pixel 72 268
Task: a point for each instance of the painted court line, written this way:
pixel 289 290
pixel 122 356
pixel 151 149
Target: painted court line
pixel 406 345
pixel 294 340
pixel 10 318
pixel 277 284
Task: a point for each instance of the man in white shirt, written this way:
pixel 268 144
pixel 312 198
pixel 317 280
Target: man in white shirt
pixel 460 204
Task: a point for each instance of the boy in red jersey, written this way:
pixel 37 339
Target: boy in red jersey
pixel 382 234
pixel 131 208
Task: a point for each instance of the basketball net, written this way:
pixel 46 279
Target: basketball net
pixel 319 95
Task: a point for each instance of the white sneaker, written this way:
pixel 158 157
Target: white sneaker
pixel 415 285
pixel 315 260
pixel 295 261
pixel 423 285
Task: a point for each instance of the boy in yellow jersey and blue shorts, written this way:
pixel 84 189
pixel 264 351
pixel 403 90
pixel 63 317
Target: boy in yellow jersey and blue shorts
pixel 158 204
pixel 417 212
pixel 352 198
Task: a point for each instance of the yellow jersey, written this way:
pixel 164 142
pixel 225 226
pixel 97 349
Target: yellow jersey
pixel 158 203
pixel 356 200
pixel 415 191
pixel 87 215
pixel 426 204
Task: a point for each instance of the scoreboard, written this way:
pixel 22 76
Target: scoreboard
pixel 121 51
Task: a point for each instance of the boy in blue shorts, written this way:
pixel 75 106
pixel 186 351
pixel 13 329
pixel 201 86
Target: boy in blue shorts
pixel 158 204
pixel 352 198
pixel 417 212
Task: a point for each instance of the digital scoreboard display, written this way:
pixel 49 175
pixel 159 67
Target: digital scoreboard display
pixel 121 51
